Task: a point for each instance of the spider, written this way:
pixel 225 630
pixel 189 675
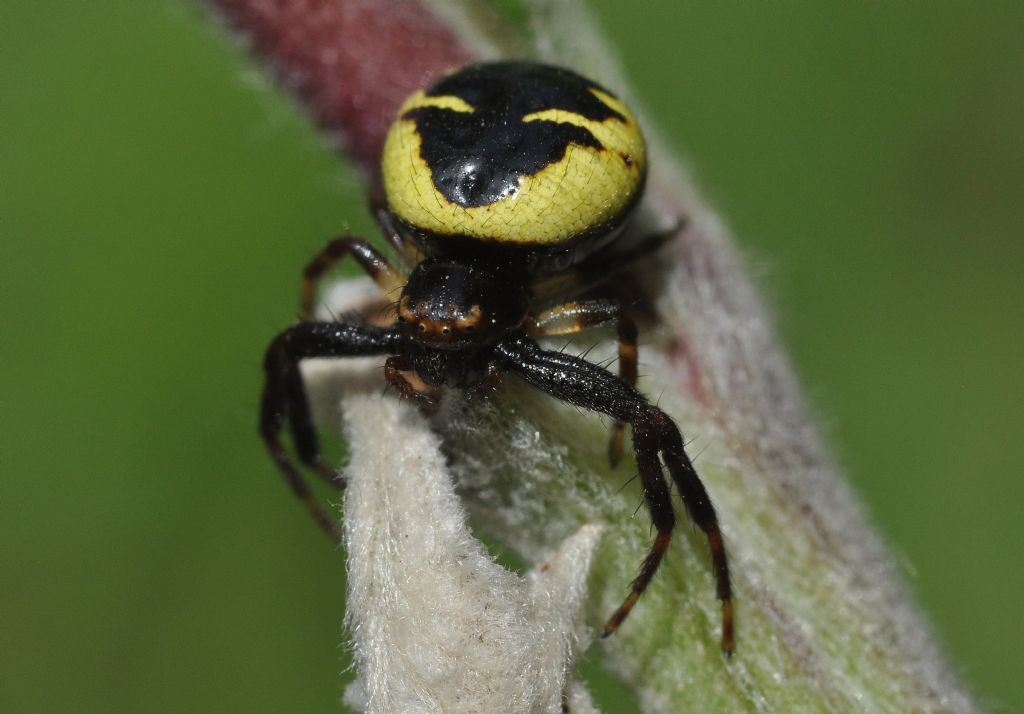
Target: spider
pixel 503 183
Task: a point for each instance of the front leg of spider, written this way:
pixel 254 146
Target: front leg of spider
pixel 284 396
pixel 656 440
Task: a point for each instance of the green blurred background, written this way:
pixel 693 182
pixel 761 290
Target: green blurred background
pixel 157 204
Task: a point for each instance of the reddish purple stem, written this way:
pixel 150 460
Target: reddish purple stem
pixel 350 62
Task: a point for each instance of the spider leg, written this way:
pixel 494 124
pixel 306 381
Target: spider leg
pixel 655 435
pixel 388 278
pixel 405 249
pixel 393 368
pixel 284 397
pixel 576 316
pixel 702 511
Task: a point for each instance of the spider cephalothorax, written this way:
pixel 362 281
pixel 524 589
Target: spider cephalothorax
pixel 502 181
pixel 451 305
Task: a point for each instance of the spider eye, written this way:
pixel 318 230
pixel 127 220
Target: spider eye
pixel 422 327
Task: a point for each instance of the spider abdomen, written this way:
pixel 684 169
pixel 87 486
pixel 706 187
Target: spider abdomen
pixel 513 153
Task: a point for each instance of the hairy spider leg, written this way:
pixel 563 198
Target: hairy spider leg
pixel 702 511
pixel 284 395
pixel 586 385
pixel 388 278
pixel 577 316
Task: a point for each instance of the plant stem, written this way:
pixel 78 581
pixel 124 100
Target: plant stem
pixel 825 622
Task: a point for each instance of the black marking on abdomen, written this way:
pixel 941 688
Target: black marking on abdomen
pixel 477 158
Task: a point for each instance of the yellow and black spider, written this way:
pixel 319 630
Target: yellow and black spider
pixel 501 181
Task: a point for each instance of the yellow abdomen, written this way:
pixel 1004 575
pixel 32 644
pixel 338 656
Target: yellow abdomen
pixel 516 153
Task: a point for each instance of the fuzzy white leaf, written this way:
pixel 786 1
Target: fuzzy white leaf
pixel 437 625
